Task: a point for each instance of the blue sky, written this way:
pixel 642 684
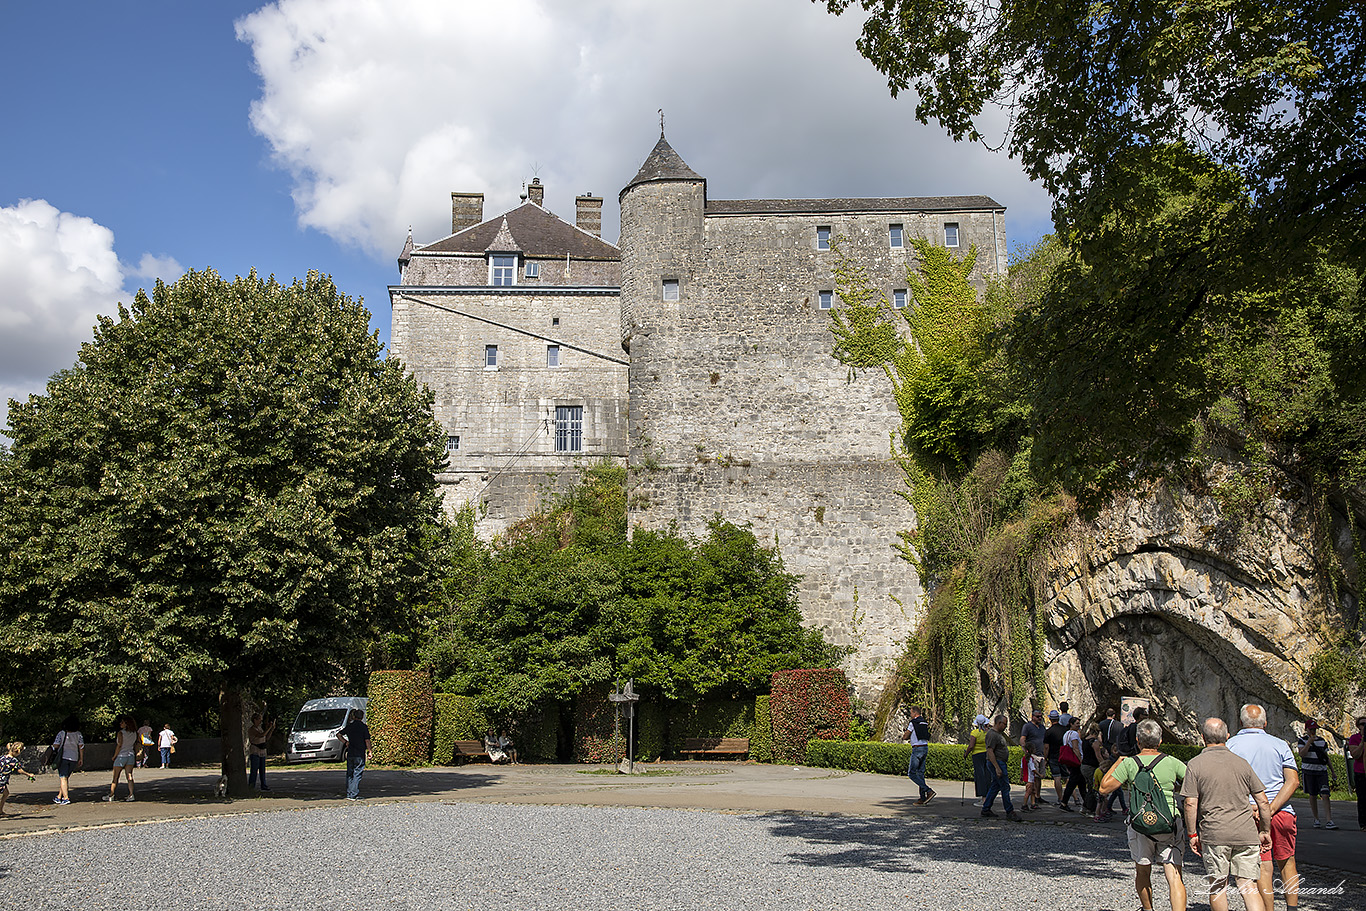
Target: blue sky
pixel 150 136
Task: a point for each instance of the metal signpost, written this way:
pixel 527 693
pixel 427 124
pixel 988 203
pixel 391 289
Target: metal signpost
pixel 627 695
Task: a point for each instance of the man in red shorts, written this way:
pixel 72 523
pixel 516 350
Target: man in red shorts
pixel 1274 762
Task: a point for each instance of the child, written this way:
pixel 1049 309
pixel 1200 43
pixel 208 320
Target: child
pixel 9 764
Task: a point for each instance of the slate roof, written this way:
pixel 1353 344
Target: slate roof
pixel 533 230
pixel 898 204
pixel 663 163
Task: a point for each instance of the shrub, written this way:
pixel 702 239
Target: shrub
pixel 457 718
pixel 806 705
pixel 537 734
pixel 761 740
pixel 400 716
pixel 945 761
pixel 652 723
pixel 594 719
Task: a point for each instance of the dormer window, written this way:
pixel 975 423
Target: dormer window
pixel 502 269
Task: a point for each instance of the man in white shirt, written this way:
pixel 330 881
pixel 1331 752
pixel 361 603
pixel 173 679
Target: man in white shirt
pixel 918 736
pixel 1274 762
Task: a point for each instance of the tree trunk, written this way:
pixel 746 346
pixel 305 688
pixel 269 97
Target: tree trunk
pixel 231 727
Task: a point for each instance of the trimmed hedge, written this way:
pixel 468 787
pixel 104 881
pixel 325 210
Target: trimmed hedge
pixel 400 714
pixel 945 761
pixel 457 718
pixel 761 741
pixel 537 734
pixel 593 721
pixel 807 705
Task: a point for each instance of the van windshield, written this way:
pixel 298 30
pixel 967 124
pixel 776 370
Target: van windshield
pixel 320 720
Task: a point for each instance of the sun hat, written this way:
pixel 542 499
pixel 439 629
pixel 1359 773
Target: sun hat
pixel 980 720
pixel 1053 715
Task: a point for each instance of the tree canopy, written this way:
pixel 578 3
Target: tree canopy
pixel 1207 162
pixel 565 602
pixel 228 490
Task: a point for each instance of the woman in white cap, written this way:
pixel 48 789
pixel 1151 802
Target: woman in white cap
pixel 977 749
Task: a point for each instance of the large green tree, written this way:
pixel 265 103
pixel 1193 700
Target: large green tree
pixel 227 492
pixel 1201 156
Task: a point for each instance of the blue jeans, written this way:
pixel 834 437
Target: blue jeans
pixel 165 757
pixel 355 768
pixel 1000 784
pixel 258 767
pixel 915 770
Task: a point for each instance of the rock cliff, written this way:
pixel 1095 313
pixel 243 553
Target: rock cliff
pixel 1169 596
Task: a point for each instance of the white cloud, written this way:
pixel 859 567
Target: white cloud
pixel 379 110
pixel 58 272
pixel 151 268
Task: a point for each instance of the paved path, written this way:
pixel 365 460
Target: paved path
pixel 719 786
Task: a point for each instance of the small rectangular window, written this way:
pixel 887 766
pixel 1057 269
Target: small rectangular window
pixel 552 355
pixel 533 270
pixel 452 443
pixel 894 232
pixel 899 298
pixel 490 356
pixel 502 270
pixel 826 298
pixel 951 234
pixel 671 289
pixel 568 428
pixel 554 321
pixel 823 237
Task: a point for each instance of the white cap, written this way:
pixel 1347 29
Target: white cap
pixel 980 720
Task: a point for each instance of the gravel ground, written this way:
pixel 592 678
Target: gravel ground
pixel 481 856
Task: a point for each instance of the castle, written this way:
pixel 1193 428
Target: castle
pixel 697 352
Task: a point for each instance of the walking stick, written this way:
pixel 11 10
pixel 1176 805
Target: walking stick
pixel 963 793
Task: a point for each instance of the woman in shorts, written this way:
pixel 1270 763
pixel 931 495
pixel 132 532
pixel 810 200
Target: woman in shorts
pixel 69 746
pixel 125 754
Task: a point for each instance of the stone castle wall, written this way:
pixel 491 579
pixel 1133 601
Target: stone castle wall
pixel 737 406
pixel 504 416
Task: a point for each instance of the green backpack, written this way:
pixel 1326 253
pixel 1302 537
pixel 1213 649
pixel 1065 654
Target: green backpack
pixel 1149 809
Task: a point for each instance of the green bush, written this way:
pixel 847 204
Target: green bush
pixel 400 717
pixel 806 705
pixel 594 719
pixel 536 734
pixel 945 761
pixel 652 726
pixel 761 740
pixel 457 718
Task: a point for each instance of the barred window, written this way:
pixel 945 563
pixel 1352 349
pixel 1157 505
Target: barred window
pixel 568 428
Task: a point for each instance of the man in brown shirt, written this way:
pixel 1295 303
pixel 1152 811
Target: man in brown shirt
pixel 1221 825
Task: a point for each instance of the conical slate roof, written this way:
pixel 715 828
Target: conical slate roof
pixel 663 164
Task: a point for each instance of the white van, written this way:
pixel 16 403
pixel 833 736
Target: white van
pixel 313 737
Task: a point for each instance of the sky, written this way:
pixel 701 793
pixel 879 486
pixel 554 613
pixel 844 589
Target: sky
pixel 147 137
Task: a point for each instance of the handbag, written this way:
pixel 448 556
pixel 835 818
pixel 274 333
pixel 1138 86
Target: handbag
pixel 53 754
pixel 1068 757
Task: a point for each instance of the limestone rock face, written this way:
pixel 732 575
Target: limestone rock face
pixel 1167 596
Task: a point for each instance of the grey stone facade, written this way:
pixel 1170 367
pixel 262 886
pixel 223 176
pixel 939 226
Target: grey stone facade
pixel 555 335
pixel 738 408
pixel 700 353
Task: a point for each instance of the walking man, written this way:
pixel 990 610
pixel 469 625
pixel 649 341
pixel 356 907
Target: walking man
pixel 998 758
pixel 1313 750
pixel 355 738
pixel 1220 823
pixel 918 736
pixel 1274 762
pixel 1052 739
pixel 1031 770
pixel 1168 849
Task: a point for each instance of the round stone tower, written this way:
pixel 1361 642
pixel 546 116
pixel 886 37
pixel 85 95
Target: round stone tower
pixel 661 241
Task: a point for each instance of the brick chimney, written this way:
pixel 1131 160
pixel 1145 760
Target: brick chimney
pixel 588 213
pixel 466 209
pixel 536 192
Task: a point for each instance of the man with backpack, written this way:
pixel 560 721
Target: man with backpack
pixel 1224 827
pixel 1155 829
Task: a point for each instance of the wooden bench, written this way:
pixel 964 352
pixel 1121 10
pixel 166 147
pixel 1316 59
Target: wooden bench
pixel 715 746
pixel 470 751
